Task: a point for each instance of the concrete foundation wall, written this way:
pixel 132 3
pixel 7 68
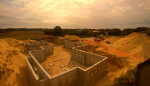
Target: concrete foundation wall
pixel 37 74
pixel 92 74
pixel 29 46
pixel 38 54
pixel 85 58
pixel 74 77
pixel 60 41
pixel 68 78
pixel 48 49
pixel 32 75
pixel 26 48
pixel 69 44
pixel 40 71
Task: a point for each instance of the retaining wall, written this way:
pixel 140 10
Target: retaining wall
pixel 74 77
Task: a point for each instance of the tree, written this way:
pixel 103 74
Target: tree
pixel 49 31
pixel 127 31
pixel 139 29
pixel 84 32
pixel 102 32
pixel 115 31
pixel 58 30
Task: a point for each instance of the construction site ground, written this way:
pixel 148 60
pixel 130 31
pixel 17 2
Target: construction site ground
pixel 13 66
pixel 60 61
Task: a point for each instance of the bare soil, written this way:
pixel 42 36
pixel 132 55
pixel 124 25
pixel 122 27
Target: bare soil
pixel 61 57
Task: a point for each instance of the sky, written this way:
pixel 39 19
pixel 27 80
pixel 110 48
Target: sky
pixel 91 14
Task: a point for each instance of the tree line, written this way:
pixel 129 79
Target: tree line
pixel 58 31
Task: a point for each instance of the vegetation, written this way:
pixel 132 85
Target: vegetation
pixel 115 31
pixel 57 31
pixel 49 31
pixel 127 31
pixel 127 79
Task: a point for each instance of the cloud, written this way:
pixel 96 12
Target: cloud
pixel 140 5
pixel 74 13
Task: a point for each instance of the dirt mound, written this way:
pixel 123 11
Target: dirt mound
pixel 112 39
pixel 12 41
pixel 134 43
pixel 72 37
pixel 92 47
pixel 100 37
pixel 12 63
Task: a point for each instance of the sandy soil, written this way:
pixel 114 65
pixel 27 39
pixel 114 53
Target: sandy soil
pixel 23 35
pixel 13 66
pixel 61 57
pixel 12 63
pixel 116 65
pixel 72 37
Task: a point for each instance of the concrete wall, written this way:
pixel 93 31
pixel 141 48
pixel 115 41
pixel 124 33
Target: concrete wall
pixel 68 78
pixel 48 49
pixel 38 54
pixel 74 77
pixel 38 76
pixel 26 48
pixel 69 44
pixel 29 46
pixel 60 41
pixel 85 58
pixel 92 74
pixel 32 75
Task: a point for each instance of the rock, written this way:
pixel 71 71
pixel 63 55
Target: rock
pixel 58 59
pixel 51 65
pixel 60 72
pixel 62 66
pixel 61 54
pixel 54 60
pixel 56 55
pixel 66 69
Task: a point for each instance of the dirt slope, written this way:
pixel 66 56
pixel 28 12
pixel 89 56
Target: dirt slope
pixel 71 37
pixel 135 43
pixel 112 40
pixel 12 63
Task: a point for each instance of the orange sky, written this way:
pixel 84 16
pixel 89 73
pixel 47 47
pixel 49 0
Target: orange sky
pixel 75 13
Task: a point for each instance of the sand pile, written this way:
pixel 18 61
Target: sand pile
pixel 100 37
pixel 135 43
pixel 12 63
pixel 92 47
pixel 72 37
pixel 112 39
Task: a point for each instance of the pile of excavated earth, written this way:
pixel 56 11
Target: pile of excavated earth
pixel 134 43
pixel 72 37
pixel 13 70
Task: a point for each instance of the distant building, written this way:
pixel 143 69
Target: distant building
pixel 95 31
